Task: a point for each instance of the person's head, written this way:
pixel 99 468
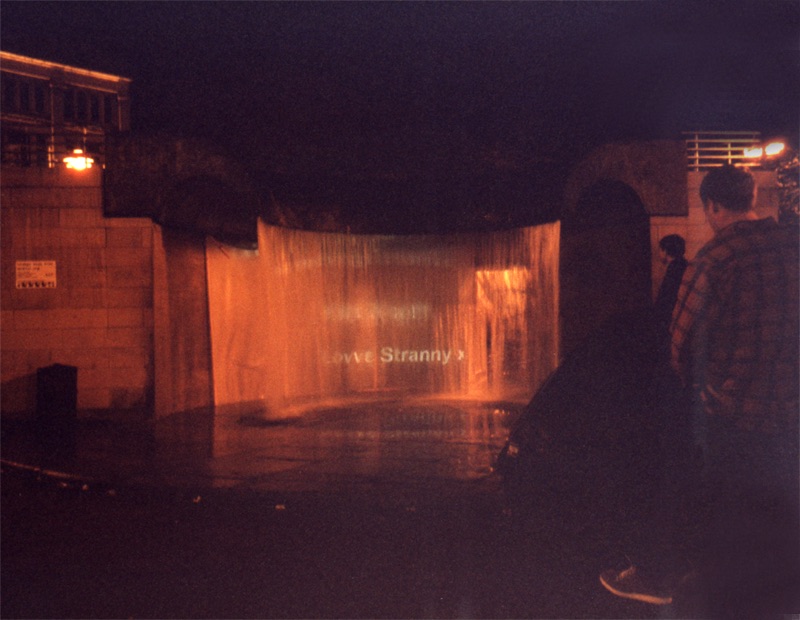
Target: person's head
pixel 673 246
pixel 730 188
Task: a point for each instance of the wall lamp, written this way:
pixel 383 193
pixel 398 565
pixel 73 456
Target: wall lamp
pixel 78 160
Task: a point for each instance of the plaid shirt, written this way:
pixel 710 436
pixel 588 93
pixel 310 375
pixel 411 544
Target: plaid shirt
pixel 735 336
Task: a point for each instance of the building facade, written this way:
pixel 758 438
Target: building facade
pixel 50 110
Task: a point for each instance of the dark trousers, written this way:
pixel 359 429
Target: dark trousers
pixel 728 507
pixel 749 534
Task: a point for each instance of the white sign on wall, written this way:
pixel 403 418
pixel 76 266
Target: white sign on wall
pixel 36 274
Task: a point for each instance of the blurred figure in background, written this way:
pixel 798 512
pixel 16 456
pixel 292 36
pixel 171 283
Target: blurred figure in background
pixel 672 248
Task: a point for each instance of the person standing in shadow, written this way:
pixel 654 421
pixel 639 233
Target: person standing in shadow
pixel 672 249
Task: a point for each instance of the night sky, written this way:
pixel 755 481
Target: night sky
pixel 388 89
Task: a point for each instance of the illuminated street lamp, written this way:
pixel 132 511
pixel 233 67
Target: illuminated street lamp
pixel 776 156
pixel 773 149
pixel 78 160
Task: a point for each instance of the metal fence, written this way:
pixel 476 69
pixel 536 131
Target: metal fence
pixel 710 149
pixel 38 147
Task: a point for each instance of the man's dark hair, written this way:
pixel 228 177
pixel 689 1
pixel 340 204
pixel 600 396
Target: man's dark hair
pixel 733 188
pixel 673 245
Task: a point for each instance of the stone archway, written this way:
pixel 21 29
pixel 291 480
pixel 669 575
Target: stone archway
pixel 605 259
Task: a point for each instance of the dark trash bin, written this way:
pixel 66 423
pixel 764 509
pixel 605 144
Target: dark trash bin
pixel 57 403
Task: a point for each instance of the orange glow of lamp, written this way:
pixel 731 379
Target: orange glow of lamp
pixel 770 150
pixel 78 160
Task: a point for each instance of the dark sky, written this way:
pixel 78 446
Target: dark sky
pixel 378 84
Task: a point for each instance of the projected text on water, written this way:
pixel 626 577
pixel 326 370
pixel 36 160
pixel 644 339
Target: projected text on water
pixel 320 315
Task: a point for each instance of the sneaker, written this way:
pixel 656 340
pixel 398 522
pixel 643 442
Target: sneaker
pixel 630 584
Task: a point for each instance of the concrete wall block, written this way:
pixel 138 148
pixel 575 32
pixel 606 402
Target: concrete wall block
pixel 83 338
pixel 112 379
pixel 126 317
pixel 58 197
pixel 19 397
pixel 129 357
pixel 72 258
pixel 83 297
pixel 129 297
pixel 129 337
pixel 83 359
pixel 6 319
pixel 8 270
pixel 45 238
pixel 127 237
pixel 30 217
pixel 36 319
pixel 80 218
pixel 93 398
pixel 92 378
pixel 46 177
pixel 61 318
pixel 129 257
pixel 80 258
pixel 28 240
pixel 129 222
pixel 104 278
pixel 129 398
pixel 31 339
pixel 75 276
pixel 19 363
pixel 82 237
pixel 128 378
pixel 6 236
pixel 138 276
pixel 26 299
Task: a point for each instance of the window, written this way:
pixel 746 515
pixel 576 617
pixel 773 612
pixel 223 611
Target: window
pixel 69 104
pixel 83 105
pixel 24 97
pixel 39 98
pixel 94 108
pixel 110 110
pixel 10 94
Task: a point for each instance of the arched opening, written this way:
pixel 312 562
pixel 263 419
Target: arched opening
pixel 605 259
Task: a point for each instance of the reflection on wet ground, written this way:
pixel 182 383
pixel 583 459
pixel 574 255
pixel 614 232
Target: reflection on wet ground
pixel 402 446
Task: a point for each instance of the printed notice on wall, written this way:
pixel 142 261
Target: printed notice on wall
pixel 36 274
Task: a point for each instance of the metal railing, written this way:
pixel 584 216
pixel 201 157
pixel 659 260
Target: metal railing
pixel 711 149
pixel 37 147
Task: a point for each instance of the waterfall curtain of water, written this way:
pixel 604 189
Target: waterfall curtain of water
pixel 312 316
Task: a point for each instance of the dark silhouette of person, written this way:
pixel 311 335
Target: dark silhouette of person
pixel 672 248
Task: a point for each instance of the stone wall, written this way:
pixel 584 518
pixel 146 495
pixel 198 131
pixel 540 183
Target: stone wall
pixel 655 170
pixel 99 315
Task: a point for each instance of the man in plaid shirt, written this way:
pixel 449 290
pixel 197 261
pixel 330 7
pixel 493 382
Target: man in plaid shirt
pixel 735 340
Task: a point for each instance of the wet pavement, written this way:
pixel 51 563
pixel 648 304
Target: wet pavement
pixel 382 510
pixel 389 449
